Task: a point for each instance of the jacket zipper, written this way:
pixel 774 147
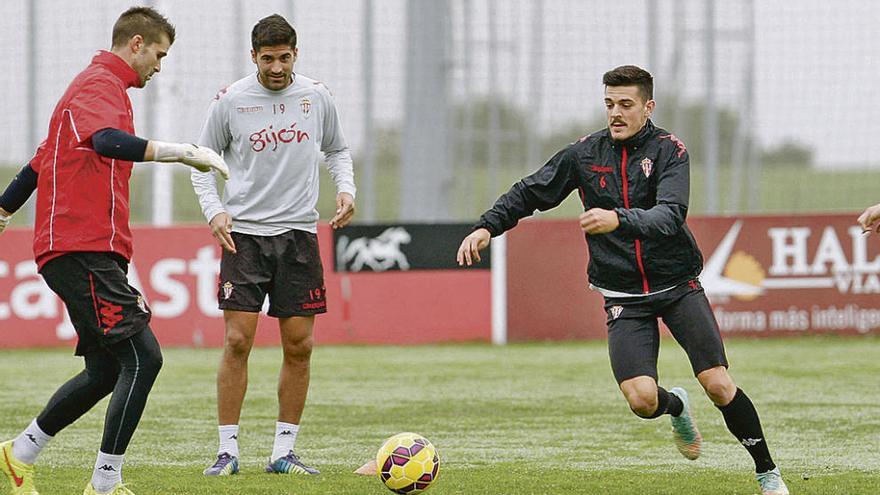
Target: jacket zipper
pixel 638 242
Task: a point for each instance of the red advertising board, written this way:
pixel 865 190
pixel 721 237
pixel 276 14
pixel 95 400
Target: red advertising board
pixel 765 275
pixel 547 290
pixel 177 268
pixel 790 275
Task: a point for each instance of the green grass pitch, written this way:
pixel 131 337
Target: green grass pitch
pixel 521 419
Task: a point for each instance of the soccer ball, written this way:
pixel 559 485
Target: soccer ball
pixel 407 463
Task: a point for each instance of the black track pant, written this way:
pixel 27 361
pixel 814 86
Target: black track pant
pixel 128 369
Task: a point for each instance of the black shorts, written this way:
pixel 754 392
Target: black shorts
pixel 103 307
pixel 286 267
pixel 634 335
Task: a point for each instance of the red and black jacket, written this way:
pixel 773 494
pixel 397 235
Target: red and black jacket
pixel 82 196
pixel 645 179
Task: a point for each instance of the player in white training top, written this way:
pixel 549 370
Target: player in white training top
pixel 271 127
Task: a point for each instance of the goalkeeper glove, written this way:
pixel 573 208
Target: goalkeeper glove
pixel 4 221
pixel 200 158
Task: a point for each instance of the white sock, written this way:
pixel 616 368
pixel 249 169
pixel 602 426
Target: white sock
pixel 228 440
pixel 108 472
pixel 28 445
pixel 285 438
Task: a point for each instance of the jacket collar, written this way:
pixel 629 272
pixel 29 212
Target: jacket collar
pixel 120 68
pixel 638 139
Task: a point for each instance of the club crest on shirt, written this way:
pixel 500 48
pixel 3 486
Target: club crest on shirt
pixel 142 305
pixel 647 166
pixel 305 104
pixel 615 311
pixel 227 290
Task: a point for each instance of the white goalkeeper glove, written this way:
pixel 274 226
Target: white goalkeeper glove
pixel 4 221
pixel 200 158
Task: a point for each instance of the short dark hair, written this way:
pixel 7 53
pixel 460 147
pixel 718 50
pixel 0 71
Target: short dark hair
pixel 273 30
pixel 144 21
pixel 631 75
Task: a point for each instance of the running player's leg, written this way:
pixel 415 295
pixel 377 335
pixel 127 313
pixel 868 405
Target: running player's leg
pixel 121 326
pixel 72 278
pixel 140 360
pixel 634 344
pixel 79 394
pixel 105 311
pixel 692 323
pixel 73 399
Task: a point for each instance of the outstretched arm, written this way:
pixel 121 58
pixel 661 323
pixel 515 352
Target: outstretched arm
pixel 201 158
pixel 121 145
pixel 542 190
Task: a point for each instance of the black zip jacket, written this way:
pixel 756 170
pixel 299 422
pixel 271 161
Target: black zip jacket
pixel 652 249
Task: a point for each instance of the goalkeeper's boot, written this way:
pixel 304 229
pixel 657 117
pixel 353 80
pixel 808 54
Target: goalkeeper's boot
pixel 19 474
pixel 226 465
pixel 119 489
pixel 771 483
pixel 289 464
pixel 684 429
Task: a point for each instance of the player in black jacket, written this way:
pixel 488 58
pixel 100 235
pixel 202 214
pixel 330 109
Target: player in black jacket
pixel 633 180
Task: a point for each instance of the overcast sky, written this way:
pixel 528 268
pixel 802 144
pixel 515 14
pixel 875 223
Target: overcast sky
pixel 817 61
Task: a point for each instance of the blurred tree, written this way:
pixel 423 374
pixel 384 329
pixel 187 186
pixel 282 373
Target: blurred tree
pixel 787 153
pixel 472 122
pixel 472 190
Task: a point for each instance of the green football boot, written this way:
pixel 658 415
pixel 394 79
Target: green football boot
pixel 771 483
pixel 684 428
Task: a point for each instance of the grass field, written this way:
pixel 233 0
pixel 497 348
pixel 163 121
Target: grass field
pixel 521 419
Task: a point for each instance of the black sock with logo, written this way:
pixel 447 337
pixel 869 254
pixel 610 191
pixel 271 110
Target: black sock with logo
pixel 742 420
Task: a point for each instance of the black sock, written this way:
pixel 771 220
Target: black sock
pixel 666 404
pixel 676 406
pixel 742 420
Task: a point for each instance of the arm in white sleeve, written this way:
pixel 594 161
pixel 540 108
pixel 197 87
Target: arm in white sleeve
pixel 216 136
pixel 335 148
pixel 341 170
pixel 205 187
